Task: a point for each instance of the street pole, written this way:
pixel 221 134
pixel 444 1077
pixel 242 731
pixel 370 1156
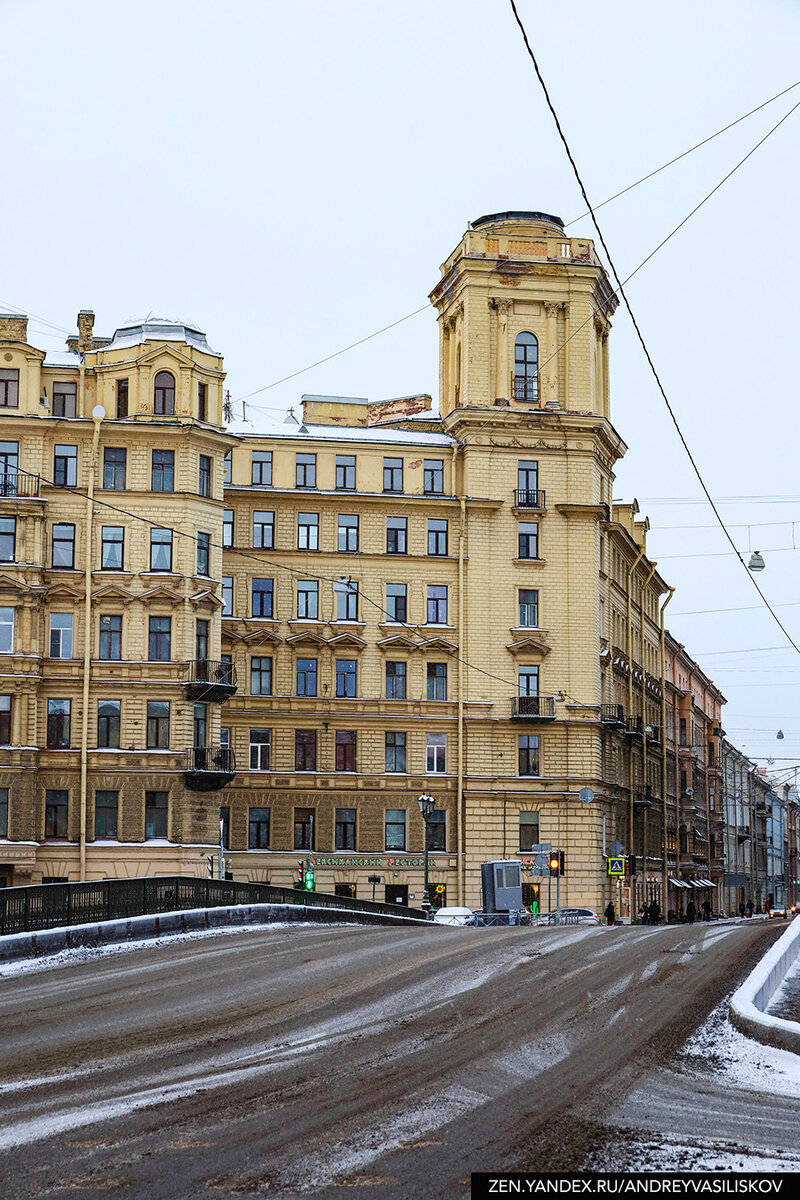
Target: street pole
pixel 426 807
pixel 221 849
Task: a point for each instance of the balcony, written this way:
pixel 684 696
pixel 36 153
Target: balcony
pixel 209 767
pixel 207 679
pixel 13 485
pixel 529 498
pixel 634 727
pixel 653 734
pixel 643 798
pixel 613 715
pixel 533 708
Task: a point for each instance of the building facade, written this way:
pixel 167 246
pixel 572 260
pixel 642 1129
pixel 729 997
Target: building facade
pixel 295 633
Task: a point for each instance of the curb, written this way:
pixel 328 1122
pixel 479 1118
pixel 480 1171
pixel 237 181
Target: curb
pixel 749 1002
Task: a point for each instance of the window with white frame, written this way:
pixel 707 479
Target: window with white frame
pixel 6 630
pixel 61 635
pixel 435 753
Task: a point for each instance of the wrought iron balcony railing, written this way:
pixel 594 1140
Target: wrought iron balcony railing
pixel 533 708
pixel 209 767
pixel 613 714
pixel 529 498
pixel 209 679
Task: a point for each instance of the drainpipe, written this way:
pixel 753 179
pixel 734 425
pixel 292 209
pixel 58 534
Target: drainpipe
pixel 460 815
pixel 642 592
pixel 629 652
pixel 664 877
pixel 98 412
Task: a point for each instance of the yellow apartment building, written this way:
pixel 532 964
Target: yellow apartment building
pixel 317 623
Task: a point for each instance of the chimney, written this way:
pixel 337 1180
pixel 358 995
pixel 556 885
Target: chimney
pixel 85 326
pixel 13 327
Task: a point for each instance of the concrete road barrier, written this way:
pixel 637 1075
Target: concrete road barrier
pixel 749 1003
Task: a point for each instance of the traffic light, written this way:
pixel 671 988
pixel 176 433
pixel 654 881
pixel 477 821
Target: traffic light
pixel 561 862
pixel 439 889
pixel 631 864
pixel 309 879
pixel 554 862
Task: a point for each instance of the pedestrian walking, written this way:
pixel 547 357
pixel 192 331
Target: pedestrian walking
pixel 654 912
pixel 691 912
pixel 609 914
pixel 742 910
pixel 643 911
pixel 706 910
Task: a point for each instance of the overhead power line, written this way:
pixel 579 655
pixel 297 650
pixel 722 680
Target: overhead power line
pixel 632 315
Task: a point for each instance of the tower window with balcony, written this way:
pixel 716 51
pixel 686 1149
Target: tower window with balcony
pixel 526 368
pixel 65 466
pixel 64 398
pixel 396 535
pixel 263 530
pixel 527 484
pixel 345 472
pixel 201 638
pixel 114 466
pixel 528 680
pixel 528 539
pixel 261 468
pixel 433 476
pixel 164 394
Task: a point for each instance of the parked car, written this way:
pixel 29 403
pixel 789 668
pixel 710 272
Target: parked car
pixel 577 916
pixel 518 917
pixel 778 910
pixel 453 916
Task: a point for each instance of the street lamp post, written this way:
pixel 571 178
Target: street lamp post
pixel 426 807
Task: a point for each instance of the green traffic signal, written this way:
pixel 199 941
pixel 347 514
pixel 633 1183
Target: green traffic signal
pixel 309 880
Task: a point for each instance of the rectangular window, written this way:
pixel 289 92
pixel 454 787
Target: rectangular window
pixel 6 630
pixel 437 538
pixel 260 744
pixel 200 726
pixel 9 388
pixel 227 468
pixel 345 750
pixel 529 754
pixel 436 830
pixel 307 531
pixel 204 475
pixel 307 599
pixel 345 677
pixel 433 481
pixel 163 472
pixel 348 533
pixel 305 470
pixel 64 397
pixel 258 829
pixel 261 468
pixel 528 830
pixel 64 546
pixel 396 535
pixel 65 466
pixel 155 815
pixel 115 461
pixel 159 639
pixel 227 595
pixel 306 677
pixel 395 828
pixel 529 607
pixel 347 602
pixel 393 474
pixel 395 752
pixel 395 681
pixel 122 398
pixel 158 724
pixel 108 724
pixel 203 553
pixel 437 681
pixel 261 676
pixel 528 539
pixel 5 724
pixel 61 635
pixel 345 834
pixel 396 602
pixel 58 722
pixel 3 812
pixel 8 539
pixel 263 530
pixel 527 482
pixel 262 597
pixel 345 472
pixel 304 828
pixel 9 468
pixel 160 549
pixel 435 753
pixel 528 681
pixel 56 813
pixel 305 750
pixel 201 637
pixel 202 401
pixel 437 604
pixel 106 805
pixel 227 528
pixel 112 547
pixel 111 638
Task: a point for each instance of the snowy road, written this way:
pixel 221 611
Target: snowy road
pixel 383 1063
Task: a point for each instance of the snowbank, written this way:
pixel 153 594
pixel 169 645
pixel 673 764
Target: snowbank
pixel 750 1002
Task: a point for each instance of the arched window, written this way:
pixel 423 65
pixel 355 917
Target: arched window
pixel 164 395
pixel 526 368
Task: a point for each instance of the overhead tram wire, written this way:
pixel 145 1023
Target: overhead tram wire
pixel 635 323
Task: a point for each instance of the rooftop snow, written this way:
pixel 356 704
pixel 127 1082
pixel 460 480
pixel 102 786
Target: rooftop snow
pixel 344 433
pixel 62 358
pixel 158 329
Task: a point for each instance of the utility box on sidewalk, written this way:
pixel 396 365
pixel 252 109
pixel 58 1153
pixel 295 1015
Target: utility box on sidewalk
pixel 501 883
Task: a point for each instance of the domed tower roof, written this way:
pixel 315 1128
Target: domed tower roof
pixel 158 329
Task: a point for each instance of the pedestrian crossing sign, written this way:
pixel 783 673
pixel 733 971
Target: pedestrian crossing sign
pixel 616 866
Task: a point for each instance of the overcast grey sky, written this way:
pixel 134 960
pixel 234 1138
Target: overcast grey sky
pixel 290 175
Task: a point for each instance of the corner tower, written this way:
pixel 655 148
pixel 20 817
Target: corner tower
pixel 524 316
